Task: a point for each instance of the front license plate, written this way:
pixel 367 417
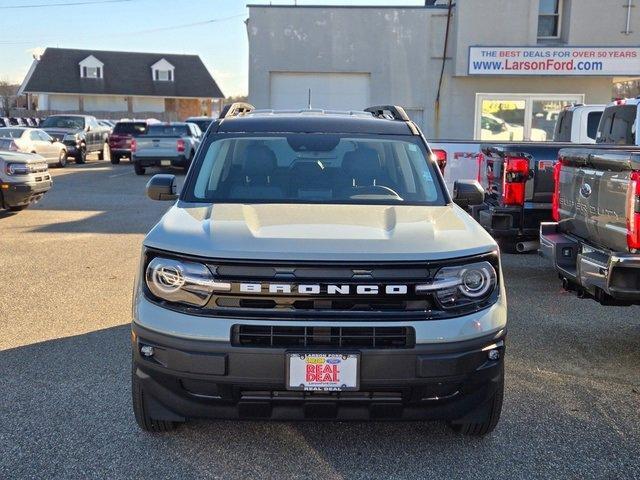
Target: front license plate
pixel 165 163
pixel 328 372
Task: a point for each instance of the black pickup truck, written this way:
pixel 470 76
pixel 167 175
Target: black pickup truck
pixel 594 243
pixel 518 183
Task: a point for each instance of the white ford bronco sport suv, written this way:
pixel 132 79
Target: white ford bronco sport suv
pixel 314 266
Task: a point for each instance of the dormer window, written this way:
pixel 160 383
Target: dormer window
pixel 91 67
pixel 91 72
pixel 164 75
pixel 162 71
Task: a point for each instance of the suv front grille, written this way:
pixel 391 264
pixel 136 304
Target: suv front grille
pixel 333 337
pixel 339 291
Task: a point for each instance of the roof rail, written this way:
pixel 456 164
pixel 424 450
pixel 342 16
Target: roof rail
pixel 236 109
pixel 390 112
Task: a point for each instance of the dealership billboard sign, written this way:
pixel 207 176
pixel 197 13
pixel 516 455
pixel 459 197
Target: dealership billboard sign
pixel 610 61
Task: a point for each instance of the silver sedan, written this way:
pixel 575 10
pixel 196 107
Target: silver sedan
pixel 33 140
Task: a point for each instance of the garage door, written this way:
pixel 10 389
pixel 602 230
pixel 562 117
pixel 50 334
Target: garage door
pixel 329 91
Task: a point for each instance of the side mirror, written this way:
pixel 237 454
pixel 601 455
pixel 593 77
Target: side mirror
pixel 88 129
pixel 162 187
pixel 467 193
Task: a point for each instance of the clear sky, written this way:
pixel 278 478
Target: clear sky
pixel 165 26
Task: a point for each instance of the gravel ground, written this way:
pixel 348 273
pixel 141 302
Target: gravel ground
pixel 572 407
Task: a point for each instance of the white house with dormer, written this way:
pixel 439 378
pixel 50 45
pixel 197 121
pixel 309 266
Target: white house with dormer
pixel 120 83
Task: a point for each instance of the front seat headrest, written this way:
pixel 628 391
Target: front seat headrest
pixel 260 161
pixel 362 165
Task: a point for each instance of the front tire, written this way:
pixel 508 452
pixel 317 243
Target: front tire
pixel 144 421
pixel 480 429
pixel 62 159
pixel 139 169
pixel 18 208
pixel 81 155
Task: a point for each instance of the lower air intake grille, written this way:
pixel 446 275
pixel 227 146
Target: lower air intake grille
pixel 334 337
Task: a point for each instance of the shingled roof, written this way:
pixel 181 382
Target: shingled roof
pixel 125 73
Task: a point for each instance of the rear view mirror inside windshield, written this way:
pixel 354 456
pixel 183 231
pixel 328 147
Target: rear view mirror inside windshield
pixel 313 143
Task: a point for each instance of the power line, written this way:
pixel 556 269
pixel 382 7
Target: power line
pixel 66 4
pixel 139 32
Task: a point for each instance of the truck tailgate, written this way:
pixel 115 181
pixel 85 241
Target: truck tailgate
pixel 593 194
pixel 147 146
pixel 541 158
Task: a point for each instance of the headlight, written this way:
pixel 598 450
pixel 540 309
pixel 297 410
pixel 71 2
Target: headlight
pixel 71 137
pixel 181 281
pixel 17 169
pixel 24 168
pixel 462 284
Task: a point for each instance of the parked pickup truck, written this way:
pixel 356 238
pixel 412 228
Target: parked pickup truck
pixel 594 243
pixel 24 179
pixel 518 183
pixel 464 158
pixel 518 177
pixel 81 134
pixel 122 134
pixel 578 123
pixel 165 145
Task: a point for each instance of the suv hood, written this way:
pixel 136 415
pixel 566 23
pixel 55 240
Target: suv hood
pixel 319 232
pixel 19 157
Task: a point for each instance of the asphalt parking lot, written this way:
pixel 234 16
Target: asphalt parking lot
pixel 572 407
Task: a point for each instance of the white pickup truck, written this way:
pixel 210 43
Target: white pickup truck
pixel 463 158
pixel 578 123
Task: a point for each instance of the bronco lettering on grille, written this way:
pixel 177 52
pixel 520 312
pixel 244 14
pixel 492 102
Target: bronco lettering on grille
pixel 317 289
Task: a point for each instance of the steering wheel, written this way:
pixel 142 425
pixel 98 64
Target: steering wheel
pixel 378 190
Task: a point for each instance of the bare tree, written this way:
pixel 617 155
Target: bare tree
pixel 7 96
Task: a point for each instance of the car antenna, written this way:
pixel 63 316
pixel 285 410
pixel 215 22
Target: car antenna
pixel 309 100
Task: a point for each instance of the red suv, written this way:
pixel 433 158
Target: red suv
pixel 120 138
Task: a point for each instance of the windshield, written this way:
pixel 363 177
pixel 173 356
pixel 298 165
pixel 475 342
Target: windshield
pixel 11 132
pixel 168 130
pixel 63 122
pixel 320 168
pixel 130 128
pixel 203 124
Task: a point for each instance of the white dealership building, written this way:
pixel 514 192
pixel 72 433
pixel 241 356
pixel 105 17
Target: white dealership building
pixel 502 67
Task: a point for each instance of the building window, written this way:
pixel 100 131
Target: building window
pixel 519 116
pixel 549 18
pixel 164 75
pixel 91 72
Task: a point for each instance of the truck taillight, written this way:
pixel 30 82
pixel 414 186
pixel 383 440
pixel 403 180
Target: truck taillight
pixel 516 174
pixel 180 145
pixel 555 200
pixel 134 145
pixel 440 156
pixel 633 211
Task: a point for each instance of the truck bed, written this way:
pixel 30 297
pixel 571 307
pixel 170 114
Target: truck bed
pixel 593 194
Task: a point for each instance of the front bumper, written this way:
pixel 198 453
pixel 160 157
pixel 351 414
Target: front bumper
pixel 72 148
pixel 612 278
pixel 192 378
pixel 23 193
pixel 177 161
pixel 512 222
pixel 446 374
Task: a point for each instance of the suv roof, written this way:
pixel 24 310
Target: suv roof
pixel 387 120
